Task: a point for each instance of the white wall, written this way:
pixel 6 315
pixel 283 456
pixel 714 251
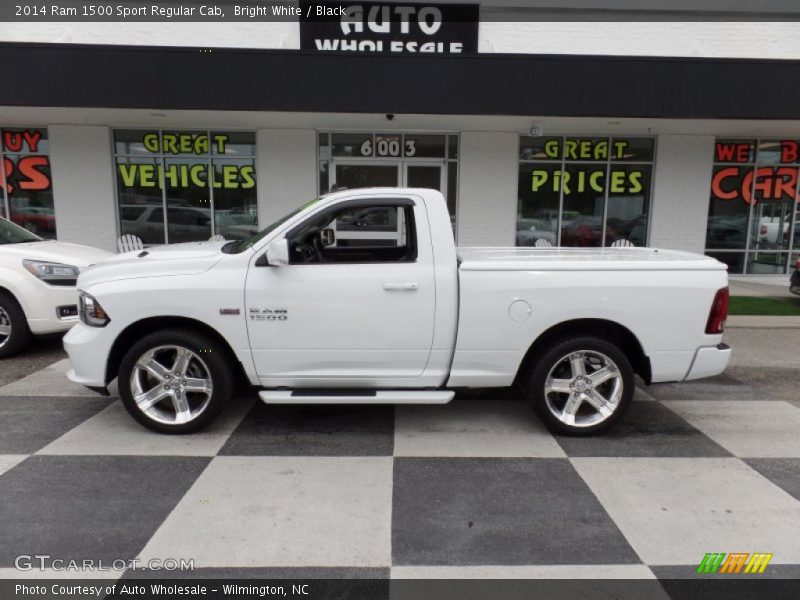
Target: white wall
pixel 83 185
pixel 681 192
pixel 487 190
pixel 286 169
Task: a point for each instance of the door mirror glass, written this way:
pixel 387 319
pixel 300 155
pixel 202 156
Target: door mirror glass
pixel 278 252
pixel 327 237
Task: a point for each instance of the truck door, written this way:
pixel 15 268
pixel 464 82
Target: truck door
pixel 355 306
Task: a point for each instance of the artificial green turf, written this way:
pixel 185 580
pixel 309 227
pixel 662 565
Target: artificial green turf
pixel 764 305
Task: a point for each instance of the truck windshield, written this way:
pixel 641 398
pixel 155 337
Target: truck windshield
pixel 241 245
pixel 14 234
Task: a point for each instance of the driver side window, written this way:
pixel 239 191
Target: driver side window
pixel 357 233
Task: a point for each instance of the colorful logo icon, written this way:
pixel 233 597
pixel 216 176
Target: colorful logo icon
pixel 734 562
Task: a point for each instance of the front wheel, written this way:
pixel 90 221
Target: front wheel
pixel 14 332
pixel 175 381
pixel 581 385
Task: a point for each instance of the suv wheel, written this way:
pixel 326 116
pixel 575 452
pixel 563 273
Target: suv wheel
pixel 175 381
pixel 581 385
pixel 14 332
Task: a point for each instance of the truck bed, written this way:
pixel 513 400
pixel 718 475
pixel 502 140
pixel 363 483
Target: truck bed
pixel 582 259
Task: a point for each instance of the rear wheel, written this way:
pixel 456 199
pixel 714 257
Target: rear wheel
pixel 175 381
pixel 14 332
pixel 581 385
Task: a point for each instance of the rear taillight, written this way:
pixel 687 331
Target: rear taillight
pixel 797 264
pixel 762 230
pixel 719 312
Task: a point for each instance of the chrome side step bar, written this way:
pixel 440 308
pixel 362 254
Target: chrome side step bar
pixel 346 396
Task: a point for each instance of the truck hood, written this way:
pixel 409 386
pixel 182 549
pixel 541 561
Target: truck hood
pixel 57 252
pixel 159 261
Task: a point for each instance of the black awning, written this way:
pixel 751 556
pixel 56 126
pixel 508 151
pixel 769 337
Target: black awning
pixel 67 75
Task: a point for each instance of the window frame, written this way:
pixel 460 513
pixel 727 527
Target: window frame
pixel 402 202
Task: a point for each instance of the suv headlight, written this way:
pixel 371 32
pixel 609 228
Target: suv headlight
pixel 90 312
pixel 52 273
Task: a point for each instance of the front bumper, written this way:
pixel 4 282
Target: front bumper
pixel 88 349
pixel 709 361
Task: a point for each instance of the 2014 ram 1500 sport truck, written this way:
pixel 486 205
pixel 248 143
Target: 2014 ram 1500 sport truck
pixel 361 296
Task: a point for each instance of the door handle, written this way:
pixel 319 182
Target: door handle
pixel 401 286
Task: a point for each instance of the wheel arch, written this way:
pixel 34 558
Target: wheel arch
pixel 605 329
pixel 143 327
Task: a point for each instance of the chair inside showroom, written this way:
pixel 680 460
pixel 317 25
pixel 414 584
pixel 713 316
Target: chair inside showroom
pixel 217 238
pixel 129 243
pixel 542 243
pixel 621 243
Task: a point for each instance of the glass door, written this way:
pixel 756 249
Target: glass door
pixel 424 175
pixel 354 175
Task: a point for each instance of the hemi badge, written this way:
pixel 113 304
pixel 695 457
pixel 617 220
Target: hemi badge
pixel 229 311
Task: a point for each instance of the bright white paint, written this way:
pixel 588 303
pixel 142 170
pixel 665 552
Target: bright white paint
pixel 718 39
pixel 344 328
pixel 681 192
pixel 83 180
pixel 37 298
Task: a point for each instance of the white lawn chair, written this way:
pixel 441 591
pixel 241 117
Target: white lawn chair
pixel 129 243
pixel 622 243
pixel 217 238
pixel 543 243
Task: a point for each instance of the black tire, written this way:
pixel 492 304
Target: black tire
pixel 210 357
pixel 11 311
pixel 555 357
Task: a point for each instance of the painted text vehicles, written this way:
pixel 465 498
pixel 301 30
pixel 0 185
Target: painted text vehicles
pixel 361 296
pixel 37 285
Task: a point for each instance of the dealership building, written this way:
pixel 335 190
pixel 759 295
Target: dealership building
pixel 538 127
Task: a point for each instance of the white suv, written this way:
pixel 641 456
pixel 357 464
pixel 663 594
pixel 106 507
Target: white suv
pixel 37 285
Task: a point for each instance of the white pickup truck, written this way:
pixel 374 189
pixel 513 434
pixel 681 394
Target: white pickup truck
pixel 362 297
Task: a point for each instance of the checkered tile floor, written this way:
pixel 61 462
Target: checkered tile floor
pixel 476 488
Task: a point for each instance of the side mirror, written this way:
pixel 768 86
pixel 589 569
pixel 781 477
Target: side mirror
pixel 327 237
pixel 278 253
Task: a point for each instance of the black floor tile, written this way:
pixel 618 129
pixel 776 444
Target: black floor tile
pixel 275 430
pixel 486 511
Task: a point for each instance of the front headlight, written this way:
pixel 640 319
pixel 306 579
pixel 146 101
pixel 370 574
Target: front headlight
pixel 90 312
pixel 52 273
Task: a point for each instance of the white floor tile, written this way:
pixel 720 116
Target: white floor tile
pixel 674 510
pixel 473 428
pixel 526 572
pixel 746 429
pixel 114 432
pixel 283 511
pixel 50 381
pixel 8 461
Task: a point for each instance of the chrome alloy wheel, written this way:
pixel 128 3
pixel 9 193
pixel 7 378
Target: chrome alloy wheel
pixel 171 385
pixel 583 388
pixel 5 327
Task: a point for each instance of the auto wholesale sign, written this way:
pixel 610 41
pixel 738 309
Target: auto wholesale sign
pixel 389 28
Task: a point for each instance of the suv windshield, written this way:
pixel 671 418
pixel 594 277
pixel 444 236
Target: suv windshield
pixel 240 246
pixel 14 234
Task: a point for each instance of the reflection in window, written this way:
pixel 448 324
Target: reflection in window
pixel 584 191
pixel 204 179
pixel 27 196
pixel 752 212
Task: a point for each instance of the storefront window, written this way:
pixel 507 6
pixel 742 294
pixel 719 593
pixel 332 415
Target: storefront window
pixel 584 191
pixel 27 194
pixel 183 186
pixel 752 214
